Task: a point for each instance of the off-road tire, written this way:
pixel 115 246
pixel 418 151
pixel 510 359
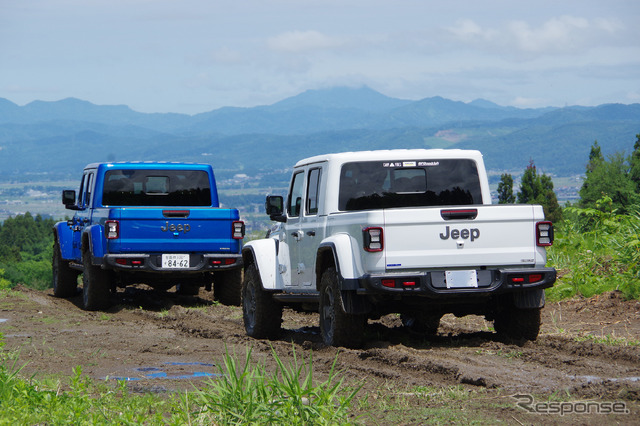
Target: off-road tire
pixel 227 287
pixel 337 327
pixel 518 324
pixel 96 286
pixel 65 278
pixel 419 323
pixel 261 314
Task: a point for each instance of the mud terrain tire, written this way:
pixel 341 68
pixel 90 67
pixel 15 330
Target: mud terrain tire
pixel 518 324
pixel 261 314
pixel 65 279
pixel 337 327
pixel 96 287
pixel 227 287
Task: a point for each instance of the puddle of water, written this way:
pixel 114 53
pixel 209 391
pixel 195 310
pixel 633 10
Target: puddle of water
pixel 120 378
pixel 590 379
pixel 3 320
pixel 160 373
pixel 194 375
pixel 190 363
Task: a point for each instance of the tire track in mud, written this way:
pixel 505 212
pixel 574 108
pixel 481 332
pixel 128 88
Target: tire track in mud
pixel 360 365
pixel 148 328
pixel 477 359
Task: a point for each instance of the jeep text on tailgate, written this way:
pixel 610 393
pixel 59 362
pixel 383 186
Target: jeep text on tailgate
pixel 365 234
pixel 153 223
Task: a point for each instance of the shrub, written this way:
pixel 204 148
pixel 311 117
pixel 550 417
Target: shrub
pixel 596 250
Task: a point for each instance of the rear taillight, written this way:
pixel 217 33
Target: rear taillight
pixel 404 283
pixel 220 262
pixel 544 234
pixel 112 228
pixel 128 261
pixel 526 279
pixel 237 230
pixel 373 240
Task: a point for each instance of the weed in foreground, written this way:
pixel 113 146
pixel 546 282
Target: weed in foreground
pixel 247 393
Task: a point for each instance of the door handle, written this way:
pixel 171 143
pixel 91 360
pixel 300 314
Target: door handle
pixel 311 233
pixel 297 235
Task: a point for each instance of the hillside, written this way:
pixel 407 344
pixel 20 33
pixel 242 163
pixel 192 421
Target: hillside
pixel 59 137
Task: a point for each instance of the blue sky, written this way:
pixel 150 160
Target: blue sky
pixel 192 56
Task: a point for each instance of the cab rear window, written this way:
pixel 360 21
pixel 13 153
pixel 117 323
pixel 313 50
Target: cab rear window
pixel 156 188
pixel 376 185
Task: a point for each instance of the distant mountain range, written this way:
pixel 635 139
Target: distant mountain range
pixel 61 137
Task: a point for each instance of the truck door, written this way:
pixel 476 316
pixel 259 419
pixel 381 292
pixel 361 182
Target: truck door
pixel 302 226
pixel 82 218
pixel 292 231
pixel 308 230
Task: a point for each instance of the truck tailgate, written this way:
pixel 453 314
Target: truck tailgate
pixel 174 230
pixel 427 238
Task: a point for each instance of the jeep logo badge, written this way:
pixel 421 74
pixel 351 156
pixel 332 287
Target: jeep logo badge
pixel 175 227
pixel 466 234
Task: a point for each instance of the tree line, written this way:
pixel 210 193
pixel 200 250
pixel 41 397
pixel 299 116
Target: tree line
pixel 611 184
pixel 25 251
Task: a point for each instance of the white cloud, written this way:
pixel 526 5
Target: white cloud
pixel 556 35
pixel 608 25
pixel 302 41
pixel 564 34
pixel 469 30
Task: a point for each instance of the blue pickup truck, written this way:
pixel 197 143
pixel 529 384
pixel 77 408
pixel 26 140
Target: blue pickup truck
pixel 154 223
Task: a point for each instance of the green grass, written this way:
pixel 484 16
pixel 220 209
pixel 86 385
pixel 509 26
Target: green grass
pixel 244 393
pixel 595 252
pixel 608 339
pixel 247 393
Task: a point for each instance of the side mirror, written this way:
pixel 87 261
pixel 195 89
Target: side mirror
pixel 69 199
pixel 274 207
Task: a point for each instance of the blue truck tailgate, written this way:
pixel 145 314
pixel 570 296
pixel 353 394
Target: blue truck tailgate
pixel 175 230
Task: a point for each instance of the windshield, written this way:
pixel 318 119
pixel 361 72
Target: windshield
pixel 378 184
pixel 156 188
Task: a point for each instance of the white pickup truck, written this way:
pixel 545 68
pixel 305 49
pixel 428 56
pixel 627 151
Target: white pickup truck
pixel 365 234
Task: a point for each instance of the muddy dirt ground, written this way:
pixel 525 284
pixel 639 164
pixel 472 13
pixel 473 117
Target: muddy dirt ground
pixel 161 342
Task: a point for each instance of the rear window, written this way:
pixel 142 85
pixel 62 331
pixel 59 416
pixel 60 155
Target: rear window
pixel 378 185
pixel 156 188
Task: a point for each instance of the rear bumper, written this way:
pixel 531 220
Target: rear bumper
pixel 145 262
pixel 433 284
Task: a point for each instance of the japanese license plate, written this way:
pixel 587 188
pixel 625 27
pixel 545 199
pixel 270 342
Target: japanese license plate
pixel 461 279
pixel 175 261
